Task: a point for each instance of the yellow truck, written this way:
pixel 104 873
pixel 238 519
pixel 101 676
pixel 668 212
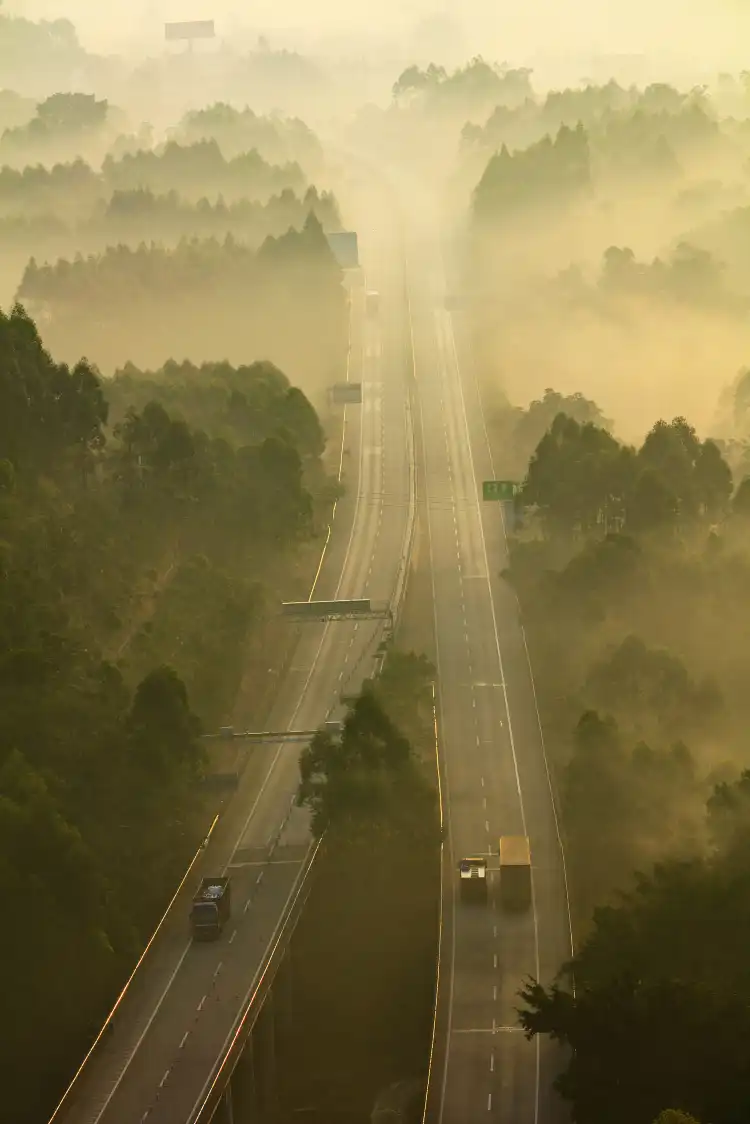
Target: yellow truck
pixel 515 872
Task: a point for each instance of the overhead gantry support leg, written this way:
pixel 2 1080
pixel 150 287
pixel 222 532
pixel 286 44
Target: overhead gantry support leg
pixel 224 1113
pixel 246 1107
pixel 264 1054
pixel 283 1003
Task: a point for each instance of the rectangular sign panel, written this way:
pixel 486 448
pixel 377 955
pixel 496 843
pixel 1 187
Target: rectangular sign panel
pixel 192 29
pixel 503 490
pixel 345 248
pixel 343 392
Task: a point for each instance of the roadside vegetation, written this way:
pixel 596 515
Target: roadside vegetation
pixel 150 520
pixel 372 794
pixel 148 525
pixel 618 217
pixel 630 567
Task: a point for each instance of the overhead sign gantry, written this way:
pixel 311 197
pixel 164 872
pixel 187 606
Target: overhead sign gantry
pixel 341 610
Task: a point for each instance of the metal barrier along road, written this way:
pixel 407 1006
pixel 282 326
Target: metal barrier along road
pixel 238 1036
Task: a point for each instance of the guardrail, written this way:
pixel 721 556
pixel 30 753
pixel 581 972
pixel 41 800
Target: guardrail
pixel 400 590
pixel 432 1098
pixel 254 1002
pixel 252 1006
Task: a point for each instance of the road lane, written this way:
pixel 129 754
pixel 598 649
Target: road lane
pixel 162 1054
pixel 495 780
pixel 550 876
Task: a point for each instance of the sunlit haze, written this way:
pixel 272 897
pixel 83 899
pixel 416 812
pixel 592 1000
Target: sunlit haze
pixel 686 36
pixel 375 561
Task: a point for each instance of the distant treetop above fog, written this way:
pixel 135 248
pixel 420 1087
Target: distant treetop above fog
pixel 278 139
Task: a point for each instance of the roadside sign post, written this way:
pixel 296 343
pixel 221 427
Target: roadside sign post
pixel 504 492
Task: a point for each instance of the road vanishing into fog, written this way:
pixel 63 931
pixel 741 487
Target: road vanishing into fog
pixel 178 1016
pixel 494 773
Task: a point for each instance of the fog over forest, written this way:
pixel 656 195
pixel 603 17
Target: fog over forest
pixel 552 206
pixel 666 33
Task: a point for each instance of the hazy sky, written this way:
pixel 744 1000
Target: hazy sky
pixel 514 30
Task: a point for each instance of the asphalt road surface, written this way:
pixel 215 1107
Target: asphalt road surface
pixel 495 779
pixel 178 1016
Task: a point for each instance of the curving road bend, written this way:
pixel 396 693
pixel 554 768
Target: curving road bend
pixel 178 1016
pixel 494 769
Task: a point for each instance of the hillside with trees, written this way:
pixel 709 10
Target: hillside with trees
pixel 279 140
pixel 149 527
pixel 72 189
pixel 134 218
pixel 604 248
pixel 284 301
pixel 63 125
pixel 201 169
pixel 630 564
pixel 372 794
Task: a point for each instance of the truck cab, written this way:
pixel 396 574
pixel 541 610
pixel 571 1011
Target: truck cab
pixel 472 874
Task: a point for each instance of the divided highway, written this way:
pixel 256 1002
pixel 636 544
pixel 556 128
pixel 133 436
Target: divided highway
pixel 494 770
pixel 178 1016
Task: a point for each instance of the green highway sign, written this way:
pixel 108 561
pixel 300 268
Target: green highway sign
pixel 503 490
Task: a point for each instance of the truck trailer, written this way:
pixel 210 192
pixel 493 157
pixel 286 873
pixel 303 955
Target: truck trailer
pixel 515 872
pixel 211 909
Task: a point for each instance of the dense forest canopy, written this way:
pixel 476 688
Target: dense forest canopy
pixel 603 256
pixel 195 170
pixel 629 563
pixel 126 507
pixel 284 301
pixel 141 216
pixel 279 140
